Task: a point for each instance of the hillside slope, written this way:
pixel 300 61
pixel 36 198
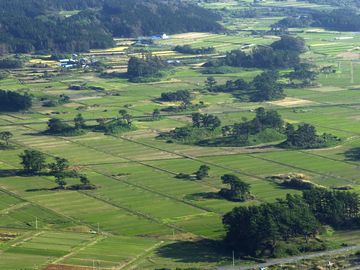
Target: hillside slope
pixel 80 25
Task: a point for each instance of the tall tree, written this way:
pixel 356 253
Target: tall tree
pixel 156 114
pixel 79 121
pixel 238 191
pixel 33 161
pixel 59 179
pixel 6 136
pixel 210 83
pixel 267 88
pixel 84 180
pixel 255 230
pixel 202 172
pixel 59 166
pixel 56 126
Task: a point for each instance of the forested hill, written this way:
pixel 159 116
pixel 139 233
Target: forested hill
pixel 341 3
pixel 80 25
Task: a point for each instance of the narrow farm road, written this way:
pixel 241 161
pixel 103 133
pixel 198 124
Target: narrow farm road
pixel 293 259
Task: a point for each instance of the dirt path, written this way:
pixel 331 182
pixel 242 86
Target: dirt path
pixel 138 257
pixel 78 249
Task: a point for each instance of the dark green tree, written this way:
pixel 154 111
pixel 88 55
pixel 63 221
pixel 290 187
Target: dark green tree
pixel 202 172
pixel 6 136
pixel 336 208
pixel 101 123
pixel 210 83
pixel 155 114
pixel 56 126
pixel 33 161
pixel 290 43
pixel 238 191
pixel 303 73
pixel 207 121
pixel 60 181
pixel 84 180
pixel 11 101
pixel 180 95
pixel 266 87
pixel 256 230
pixel 79 121
pixel 59 166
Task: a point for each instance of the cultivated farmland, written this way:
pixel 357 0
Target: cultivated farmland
pixel 141 216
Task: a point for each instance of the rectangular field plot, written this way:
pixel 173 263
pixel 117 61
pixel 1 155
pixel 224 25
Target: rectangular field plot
pixel 161 182
pixel 40 248
pixel 11 261
pixel 112 252
pixel 17 213
pixel 118 147
pixel 96 213
pixel 140 198
pixel 330 172
pixel 75 152
pixel 7 202
pixel 26 215
pixel 53 244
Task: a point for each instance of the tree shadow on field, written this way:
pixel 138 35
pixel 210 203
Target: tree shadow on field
pixel 194 252
pixel 353 154
pixel 204 196
pixel 10 172
pixel 35 133
pixel 41 189
pixel 5 147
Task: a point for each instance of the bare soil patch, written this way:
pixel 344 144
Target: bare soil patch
pixel 291 102
pixel 349 55
pixel 66 267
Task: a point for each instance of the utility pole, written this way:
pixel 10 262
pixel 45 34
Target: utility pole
pixel 36 223
pixel 233 257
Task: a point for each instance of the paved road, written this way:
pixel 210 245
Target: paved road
pixel 293 259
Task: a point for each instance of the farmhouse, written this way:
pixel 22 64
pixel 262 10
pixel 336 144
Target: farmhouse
pixel 74 62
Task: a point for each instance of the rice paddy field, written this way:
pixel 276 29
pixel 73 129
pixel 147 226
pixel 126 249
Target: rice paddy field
pixel 141 216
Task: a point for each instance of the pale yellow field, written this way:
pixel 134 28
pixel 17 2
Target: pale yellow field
pixel 291 102
pixel 50 63
pixel 192 35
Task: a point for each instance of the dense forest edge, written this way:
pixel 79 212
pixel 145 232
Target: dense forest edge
pixel 78 26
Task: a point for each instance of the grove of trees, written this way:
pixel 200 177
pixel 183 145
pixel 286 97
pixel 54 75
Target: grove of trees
pixel 263 87
pixel 305 136
pixel 187 49
pixel 238 191
pixel 9 63
pixel 179 95
pixel 263 120
pixel 259 230
pixel 146 68
pixel 337 19
pixel 12 102
pixel 34 163
pixel 256 230
pixel 283 53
